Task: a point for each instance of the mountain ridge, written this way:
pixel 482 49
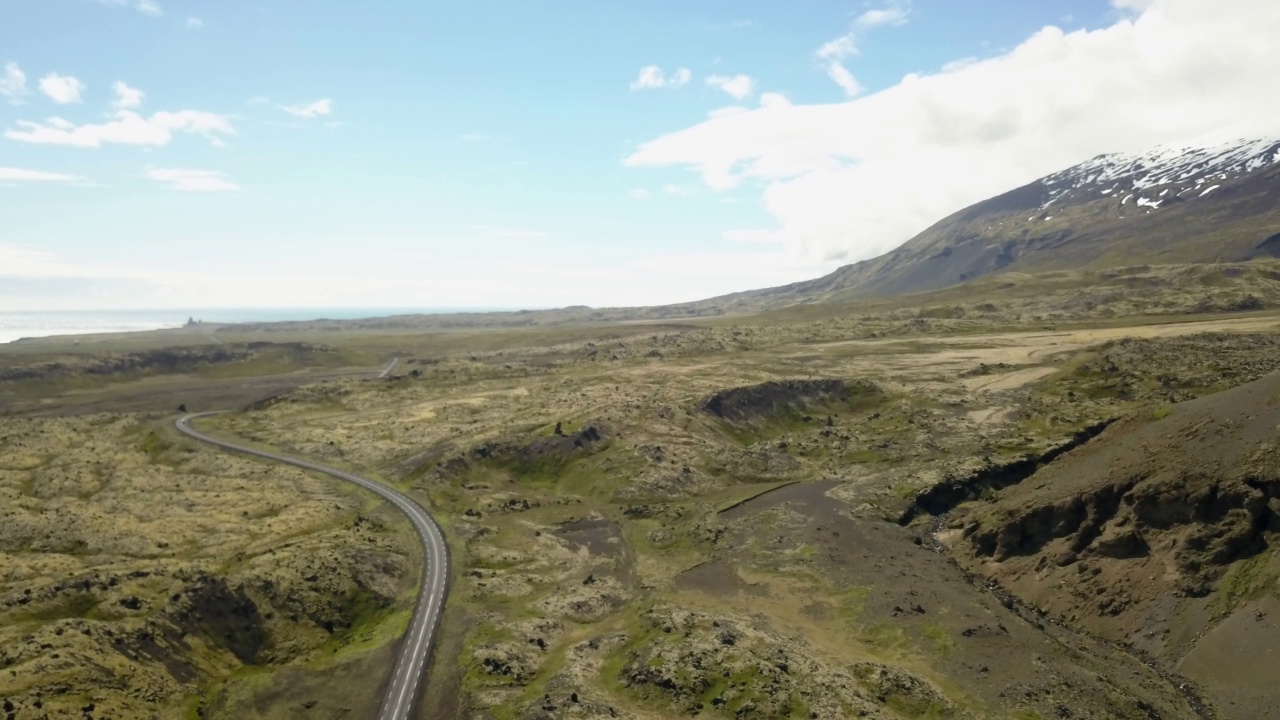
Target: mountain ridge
pixel 1171 204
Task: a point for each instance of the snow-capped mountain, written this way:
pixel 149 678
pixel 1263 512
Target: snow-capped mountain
pixel 1150 180
pixel 1174 204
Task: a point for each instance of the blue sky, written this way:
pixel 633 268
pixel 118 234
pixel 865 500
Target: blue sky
pixel 500 153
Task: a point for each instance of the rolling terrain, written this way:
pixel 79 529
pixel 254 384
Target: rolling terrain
pixel 1022 468
pixel 1159 534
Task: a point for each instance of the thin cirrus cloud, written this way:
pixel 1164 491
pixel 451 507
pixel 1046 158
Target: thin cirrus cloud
pixel 308 111
pixel 852 180
pixel 739 87
pixel 833 54
pixel 146 7
pixel 895 13
pixel 20 175
pixel 652 77
pixel 62 89
pixel 126 128
pixel 193 180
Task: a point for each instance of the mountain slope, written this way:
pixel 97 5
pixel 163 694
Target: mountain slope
pixel 1161 533
pixel 1170 205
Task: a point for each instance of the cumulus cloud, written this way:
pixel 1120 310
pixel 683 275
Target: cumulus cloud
pixel 193 180
pixel 126 97
pixel 13 83
pixel 771 99
pixel 308 111
pixel 194 23
pixel 62 89
pixel 739 87
pixel 20 175
pixel 126 128
pixel 852 180
pixel 652 77
pixel 639 194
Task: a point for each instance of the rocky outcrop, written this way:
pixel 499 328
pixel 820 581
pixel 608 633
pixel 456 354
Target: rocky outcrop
pixel 161 361
pixel 776 400
pixel 695 662
pixel 1155 533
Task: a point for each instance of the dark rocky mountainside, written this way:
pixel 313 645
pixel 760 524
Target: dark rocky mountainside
pixel 1161 534
pixel 1167 206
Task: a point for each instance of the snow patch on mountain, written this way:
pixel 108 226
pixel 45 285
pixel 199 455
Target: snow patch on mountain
pixel 1150 176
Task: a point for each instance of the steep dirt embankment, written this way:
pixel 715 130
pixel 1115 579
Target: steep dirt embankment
pixel 1160 533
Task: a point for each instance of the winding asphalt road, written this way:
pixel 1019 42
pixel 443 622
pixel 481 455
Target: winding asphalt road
pixel 415 646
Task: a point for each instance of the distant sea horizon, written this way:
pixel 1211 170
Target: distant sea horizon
pixel 17 324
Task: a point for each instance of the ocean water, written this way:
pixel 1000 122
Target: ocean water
pixel 15 324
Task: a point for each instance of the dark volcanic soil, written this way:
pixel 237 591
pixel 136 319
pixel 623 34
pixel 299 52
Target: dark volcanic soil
pixel 1161 533
pixel 1003 654
pixel 775 400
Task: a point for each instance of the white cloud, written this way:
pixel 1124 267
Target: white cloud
pixel 652 77
pixel 834 53
pixel 639 194
pixel 774 100
pixel 676 190
pixel 310 110
pixel 61 89
pixel 841 48
pixel 146 7
pixel 13 84
pixel 21 175
pixel 193 180
pixel 841 76
pixel 127 128
pixel 895 13
pixel 195 23
pixel 126 97
pixel 739 87
pixel 852 180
